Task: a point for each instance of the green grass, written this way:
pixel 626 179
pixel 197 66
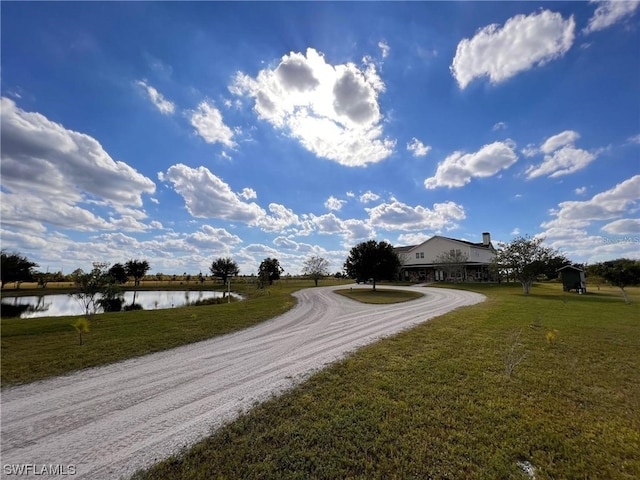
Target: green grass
pixel 33 349
pixel 379 295
pixel 435 401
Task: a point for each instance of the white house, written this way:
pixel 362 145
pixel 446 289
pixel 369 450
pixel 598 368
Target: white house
pixel 423 263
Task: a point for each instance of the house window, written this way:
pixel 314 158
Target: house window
pixel 421 254
pixel 417 255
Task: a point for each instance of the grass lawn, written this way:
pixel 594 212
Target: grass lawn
pixel 33 349
pixel 379 295
pixel 438 401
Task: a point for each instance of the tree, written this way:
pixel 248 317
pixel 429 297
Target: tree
pixel 372 260
pixel 550 267
pixel 315 268
pixel 111 296
pixel 15 268
pixel 269 271
pixel 97 289
pixel 523 259
pixel 453 263
pixel 89 286
pixel 137 269
pixel 118 273
pixel 619 273
pixel 224 268
pixel 82 326
pixel 43 278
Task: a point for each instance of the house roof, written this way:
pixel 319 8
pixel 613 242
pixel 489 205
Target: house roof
pixel 473 244
pixel 477 245
pixel 572 267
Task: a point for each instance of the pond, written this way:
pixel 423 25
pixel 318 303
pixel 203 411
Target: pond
pixel 62 305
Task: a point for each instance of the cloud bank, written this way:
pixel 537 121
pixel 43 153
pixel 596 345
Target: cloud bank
pixel 51 175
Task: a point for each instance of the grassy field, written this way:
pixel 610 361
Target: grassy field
pixel 33 349
pixel 379 295
pixel 549 382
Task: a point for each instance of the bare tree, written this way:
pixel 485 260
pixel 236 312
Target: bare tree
pixel 315 268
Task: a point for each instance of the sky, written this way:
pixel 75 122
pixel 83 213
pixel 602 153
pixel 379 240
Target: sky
pixel 181 132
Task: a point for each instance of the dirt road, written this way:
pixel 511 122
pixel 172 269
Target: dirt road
pixel 107 422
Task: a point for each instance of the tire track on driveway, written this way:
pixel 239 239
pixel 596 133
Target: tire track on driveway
pixel 110 421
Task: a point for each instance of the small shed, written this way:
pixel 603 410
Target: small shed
pixel 573 279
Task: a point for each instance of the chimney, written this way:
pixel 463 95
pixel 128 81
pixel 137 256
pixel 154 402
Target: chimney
pixel 486 239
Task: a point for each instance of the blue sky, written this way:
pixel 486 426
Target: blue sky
pixel 182 132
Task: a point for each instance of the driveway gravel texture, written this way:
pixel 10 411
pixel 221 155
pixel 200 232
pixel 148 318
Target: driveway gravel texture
pixel 107 422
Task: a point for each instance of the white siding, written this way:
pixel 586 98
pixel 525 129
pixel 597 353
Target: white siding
pixel 481 255
pixel 427 252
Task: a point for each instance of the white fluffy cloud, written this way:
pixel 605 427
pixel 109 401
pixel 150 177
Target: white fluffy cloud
pixel 212 239
pixel 624 226
pixel 553 143
pixel 166 252
pixel 288 244
pixel 608 205
pixel 208 196
pixel 369 196
pixel 384 49
pixel 332 110
pixel 610 12
pixel 459 168
pixel 163 105
pixel 351 230
pixel 415 238
pixel 280 219
pixel 580 245
pixel 564 161
pixel 400 216
pixel 207 120
pixel 50 176
pixel 418 148
pixel 561 156
pixel 333 203
pixel 522 43
pixel 248 193
pixel 328 223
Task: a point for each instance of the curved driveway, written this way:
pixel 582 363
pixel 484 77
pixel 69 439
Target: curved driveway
pixel 110 421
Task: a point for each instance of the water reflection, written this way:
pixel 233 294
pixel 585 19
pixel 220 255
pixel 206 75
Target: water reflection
pixel 63 305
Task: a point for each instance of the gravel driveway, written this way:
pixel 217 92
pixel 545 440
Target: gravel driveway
pixel 107 422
